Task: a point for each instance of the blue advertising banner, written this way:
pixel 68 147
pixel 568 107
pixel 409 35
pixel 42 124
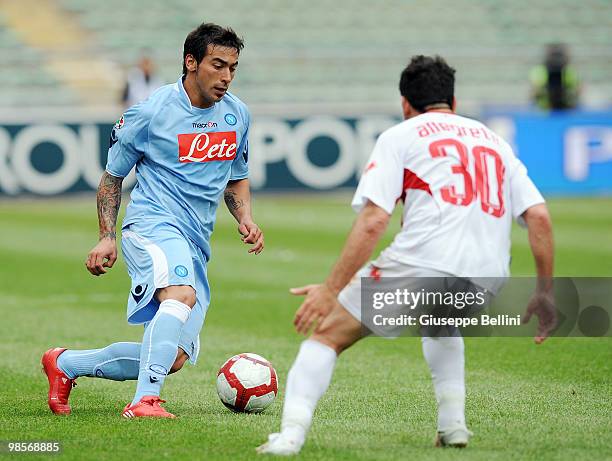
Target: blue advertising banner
pixel 52 158
pixel 566 154
pixel 315 152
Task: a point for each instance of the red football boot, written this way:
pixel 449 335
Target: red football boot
pixel 60 385
pixel 148 406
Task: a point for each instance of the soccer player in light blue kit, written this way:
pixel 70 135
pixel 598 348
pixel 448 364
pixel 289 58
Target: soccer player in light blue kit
pixel 189 144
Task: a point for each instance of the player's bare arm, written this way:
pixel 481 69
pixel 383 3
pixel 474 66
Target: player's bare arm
pixel 367 230
pixel 539 227
pixel 104 254
pixel 237 197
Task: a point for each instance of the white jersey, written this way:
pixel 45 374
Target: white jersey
pixel 461 185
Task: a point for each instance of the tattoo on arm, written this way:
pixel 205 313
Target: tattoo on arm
pixel 232 201
pixel 109 202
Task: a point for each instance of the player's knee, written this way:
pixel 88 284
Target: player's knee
pixel 339 330
pixel 181 358
pixel 182 293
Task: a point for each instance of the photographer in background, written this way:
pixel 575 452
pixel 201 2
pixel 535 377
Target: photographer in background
pixel 554 83
pixel 141 81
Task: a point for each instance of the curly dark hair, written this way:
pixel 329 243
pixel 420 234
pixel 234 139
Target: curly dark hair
pixel 206 34
pixel 427 80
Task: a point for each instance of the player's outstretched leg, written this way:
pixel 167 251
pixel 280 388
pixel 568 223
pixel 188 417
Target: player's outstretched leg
pixel 445 357
pixel 118 361
pixel 309 378
pixel 158 352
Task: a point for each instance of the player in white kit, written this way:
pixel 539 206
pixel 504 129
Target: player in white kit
pixel 461 186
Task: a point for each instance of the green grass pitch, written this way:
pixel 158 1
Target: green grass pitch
pixel 524 401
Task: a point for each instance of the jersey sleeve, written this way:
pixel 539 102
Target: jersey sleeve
pixel 240 165
pixel 523 192
pixel 127 141
pixel 383 178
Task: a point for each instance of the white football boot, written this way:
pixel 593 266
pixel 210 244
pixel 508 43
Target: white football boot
pixel 456 438
pixel 279 444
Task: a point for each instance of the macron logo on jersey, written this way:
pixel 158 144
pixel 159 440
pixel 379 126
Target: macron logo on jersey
pixel 207 147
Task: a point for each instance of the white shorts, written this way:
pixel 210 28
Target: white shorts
pixel 157 255
pixel 394 274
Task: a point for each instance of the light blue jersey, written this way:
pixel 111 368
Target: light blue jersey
pixel 184 157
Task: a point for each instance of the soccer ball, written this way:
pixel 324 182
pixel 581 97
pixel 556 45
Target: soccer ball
pixel 247 383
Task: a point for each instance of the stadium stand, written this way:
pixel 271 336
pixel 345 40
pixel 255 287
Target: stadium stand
pixel 324 52
pixel 19 87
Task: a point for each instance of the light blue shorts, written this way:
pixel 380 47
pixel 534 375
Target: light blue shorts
pixel 158 255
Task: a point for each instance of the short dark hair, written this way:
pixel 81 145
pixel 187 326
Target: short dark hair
pixel 206 34
pixel 427 80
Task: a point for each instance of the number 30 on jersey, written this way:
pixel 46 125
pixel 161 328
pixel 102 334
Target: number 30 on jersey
pixel 485 183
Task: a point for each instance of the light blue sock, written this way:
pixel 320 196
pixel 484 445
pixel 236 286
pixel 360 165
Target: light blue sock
pixel 118 361
pixel 159 347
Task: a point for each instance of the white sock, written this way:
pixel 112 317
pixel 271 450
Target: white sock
pixel 307 381
pixel 445 357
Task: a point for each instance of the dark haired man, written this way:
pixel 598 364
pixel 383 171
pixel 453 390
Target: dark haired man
pixel 189 144
pixel 554 83
pixel 461 185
